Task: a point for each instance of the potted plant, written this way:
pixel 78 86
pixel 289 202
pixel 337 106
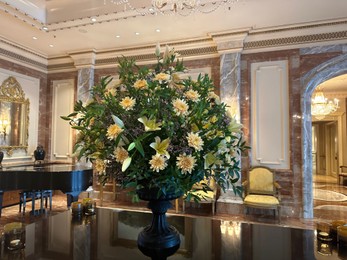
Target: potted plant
pixel 162 131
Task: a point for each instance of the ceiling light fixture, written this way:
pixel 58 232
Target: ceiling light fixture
pixel 320 106
pixel 175 4
pixel 186 7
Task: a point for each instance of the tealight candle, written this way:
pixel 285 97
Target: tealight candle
pixel 14 235
pixel 76 208
pixel 14 242
pixel 324 231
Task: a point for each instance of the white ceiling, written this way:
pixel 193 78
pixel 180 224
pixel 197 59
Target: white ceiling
pixel 71 29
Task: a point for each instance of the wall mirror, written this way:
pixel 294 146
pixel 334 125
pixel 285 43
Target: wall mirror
pixel 14 116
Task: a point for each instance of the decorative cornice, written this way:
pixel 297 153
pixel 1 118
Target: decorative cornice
pixel 298 27
pixel 22 59
pixel 332 36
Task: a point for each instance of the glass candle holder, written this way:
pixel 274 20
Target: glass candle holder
pixel 89 206
pixel 342 234
pixel 334 225
pixel 76 209
pixel 14 236
pixel 324 231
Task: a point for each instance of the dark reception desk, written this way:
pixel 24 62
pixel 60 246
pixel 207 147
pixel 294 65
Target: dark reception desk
pixel 70 179
pixel 112 234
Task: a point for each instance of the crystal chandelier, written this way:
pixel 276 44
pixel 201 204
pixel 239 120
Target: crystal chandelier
pixel 320 106
pixel 175 4
pixel 187 7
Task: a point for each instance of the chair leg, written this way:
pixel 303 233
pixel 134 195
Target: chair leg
pixel 24 202
pixel 50 200
pixel 20 202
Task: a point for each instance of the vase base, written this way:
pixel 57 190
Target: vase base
pixel 158 246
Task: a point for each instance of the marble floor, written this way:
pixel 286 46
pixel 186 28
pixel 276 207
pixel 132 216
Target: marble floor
pixel 330 204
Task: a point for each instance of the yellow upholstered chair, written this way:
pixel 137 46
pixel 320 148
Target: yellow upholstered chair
pixel 260 190
pixel 206 190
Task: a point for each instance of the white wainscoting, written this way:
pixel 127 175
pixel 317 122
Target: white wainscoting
pixel 270 114
pixel 63 102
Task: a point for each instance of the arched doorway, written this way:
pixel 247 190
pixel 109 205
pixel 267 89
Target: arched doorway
pixel 325 71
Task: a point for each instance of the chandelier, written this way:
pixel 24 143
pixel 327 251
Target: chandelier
pixel 320 106
pixel 187 7
pixel 175 4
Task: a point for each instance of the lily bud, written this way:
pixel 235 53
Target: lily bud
pixel 157 50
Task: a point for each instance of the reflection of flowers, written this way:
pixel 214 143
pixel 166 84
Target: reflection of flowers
pixel 159 130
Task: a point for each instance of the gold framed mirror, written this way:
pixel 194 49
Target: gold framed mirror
pixel 14 116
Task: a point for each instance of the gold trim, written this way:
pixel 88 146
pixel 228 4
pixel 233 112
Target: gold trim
pixel 11 91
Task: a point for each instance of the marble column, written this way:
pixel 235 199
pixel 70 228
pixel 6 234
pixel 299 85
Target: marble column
pixel 229 46
pixel 84 62
pixel 230 82
pixel 85 82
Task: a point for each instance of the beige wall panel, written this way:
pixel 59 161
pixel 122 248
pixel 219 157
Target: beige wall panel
pixel 270 143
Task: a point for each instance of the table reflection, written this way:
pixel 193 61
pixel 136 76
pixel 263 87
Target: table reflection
pixel 112 234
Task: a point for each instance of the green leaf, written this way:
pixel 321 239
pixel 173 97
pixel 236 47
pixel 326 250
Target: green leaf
pixel 78 127
pixel 139 147
pixel 65 118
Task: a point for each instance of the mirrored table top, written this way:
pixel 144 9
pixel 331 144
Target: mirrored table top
pixel 112 234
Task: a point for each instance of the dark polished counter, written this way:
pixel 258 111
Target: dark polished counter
pixel 112 234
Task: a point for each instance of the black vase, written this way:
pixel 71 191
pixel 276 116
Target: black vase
pixel 39 153
pixel 1 157
pixel 158 240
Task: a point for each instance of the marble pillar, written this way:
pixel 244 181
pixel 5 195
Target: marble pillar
pixel 230 82
pixel 85 82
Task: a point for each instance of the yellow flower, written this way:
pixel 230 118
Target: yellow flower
pixel 158 163
pixel 111 91
pixel 162 77
pixel 128 103
pixel 186 163
pixel 100 166
pixel 113 131
pixel 192 95
pixel 212 95
pixel 195 141
pixel 161 147
pixel 141 84
pixel 150 124
pixel 121 154
pixel 180 107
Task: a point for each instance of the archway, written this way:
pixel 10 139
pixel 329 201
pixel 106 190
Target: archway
pixel 325 71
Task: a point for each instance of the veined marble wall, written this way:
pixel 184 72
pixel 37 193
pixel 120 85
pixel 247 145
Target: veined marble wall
pixel 307 68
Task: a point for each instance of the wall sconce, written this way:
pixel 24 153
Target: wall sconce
pixel 3 127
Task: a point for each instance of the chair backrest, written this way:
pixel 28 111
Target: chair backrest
pixel 261 180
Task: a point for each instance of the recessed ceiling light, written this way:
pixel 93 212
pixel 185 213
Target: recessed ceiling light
pixel 45 28
pixel 157 30
pixel 93 19
pixel 117 36
pixel 137 33
pixel 51 45
pixel 34 38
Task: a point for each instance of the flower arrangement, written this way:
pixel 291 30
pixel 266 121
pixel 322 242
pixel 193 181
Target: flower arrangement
pixel 159 129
